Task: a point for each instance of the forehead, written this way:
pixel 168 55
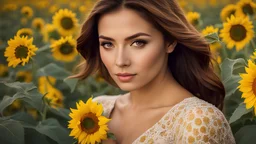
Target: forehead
pixel 123 21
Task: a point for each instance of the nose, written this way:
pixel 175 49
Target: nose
pixel 122 58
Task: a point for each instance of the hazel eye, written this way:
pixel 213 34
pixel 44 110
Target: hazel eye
pixel 106 45
pixel 139 43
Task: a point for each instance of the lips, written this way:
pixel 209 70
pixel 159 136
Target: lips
pixel 125 77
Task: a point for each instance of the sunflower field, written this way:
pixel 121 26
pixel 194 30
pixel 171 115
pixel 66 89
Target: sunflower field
pixel 38 54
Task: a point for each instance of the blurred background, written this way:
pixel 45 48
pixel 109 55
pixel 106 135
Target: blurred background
pixel 38 53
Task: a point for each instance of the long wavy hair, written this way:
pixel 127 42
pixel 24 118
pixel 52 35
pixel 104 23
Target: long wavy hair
pixel 190 62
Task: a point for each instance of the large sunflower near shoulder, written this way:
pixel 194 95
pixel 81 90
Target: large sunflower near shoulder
pixel 237 31
pixel 66 22
pixel 248 85
pixel 64 49
pixel 87 123
pixel 19 51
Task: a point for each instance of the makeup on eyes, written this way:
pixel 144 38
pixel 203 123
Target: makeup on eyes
pixel 141 41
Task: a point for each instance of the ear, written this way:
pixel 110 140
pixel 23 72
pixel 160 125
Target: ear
pixel 170 47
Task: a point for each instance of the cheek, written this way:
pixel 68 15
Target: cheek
pixel 152 59
pixel 106 59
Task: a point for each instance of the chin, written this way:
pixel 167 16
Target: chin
pixel 127 86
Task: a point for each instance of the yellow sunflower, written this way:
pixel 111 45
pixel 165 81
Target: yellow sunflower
pixel 208 30
pixel 245 7
pixel 19 51
pixel 50 33
pixel 248 86
pixel 193 18
pixel 237 31
pixel 87 123
pixel 54 96
pixel 27 11
pixel 64 49
pixel 25 32
pixel 65 22
pixel 3 70
pixel 82 9
pixel 9 7
pixel 53 9
pixel 24 76
pixel 227 11
pixel 254 55
pixel 38 23
pixel 23 20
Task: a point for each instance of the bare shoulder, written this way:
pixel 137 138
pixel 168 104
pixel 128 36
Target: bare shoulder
pixel 105 98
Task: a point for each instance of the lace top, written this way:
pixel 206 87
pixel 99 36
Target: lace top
pixel 192 120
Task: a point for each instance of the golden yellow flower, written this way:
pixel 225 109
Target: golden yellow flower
pixel 213 3
pixel 64 49
pixel 38 23
pixel 245 7
pixel 19 51
pixel 208 30
pixel 53 8
pixel 42 4
pixel 73 5
pixel 25 32
pixel 54 96
pixel 33 112
pixel 9 7
pixel 82 9
pixel 24 76
pixel 254 55
pixel 50 33
pixel 227 11
pixel 87 123
pixel 237 31
pixel 65 22
pixel 193 18
pixel 3 70
pixel 27 11
pixel 248 86
pixel 23 20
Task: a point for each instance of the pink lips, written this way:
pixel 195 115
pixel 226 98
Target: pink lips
pixel 125 77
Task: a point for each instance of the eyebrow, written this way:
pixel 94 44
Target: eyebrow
pixel 128 38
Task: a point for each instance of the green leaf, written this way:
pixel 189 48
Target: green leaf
pixel 27 92
pixel 43 48
pixel 231 85
pixel 53 70
pixel 246 135
pixel 212 38
pixel 64 113
pixel 11 132
pixel 238 113
pixel 71 83
pixel 111 136
pixel 227 67
pixel 52 129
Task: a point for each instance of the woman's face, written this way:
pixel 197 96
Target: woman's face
pixel 132 50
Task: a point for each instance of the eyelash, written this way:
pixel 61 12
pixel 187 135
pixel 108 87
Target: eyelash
pixel 139 40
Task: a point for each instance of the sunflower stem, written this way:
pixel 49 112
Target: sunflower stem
pixel 253 45
pixel 44 110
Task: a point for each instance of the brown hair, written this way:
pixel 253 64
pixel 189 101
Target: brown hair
pixel 190 62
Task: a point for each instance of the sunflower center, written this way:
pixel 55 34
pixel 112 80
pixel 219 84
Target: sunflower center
pixel 89 123
pixel 238 32
pixel 26 13
pixel 254 86
pixel 24 34
pixel 21 78
pixel 247 9
pixel 66 48
pixel 38 26
pixel 232 13
pixel 21 52
pixel 195 22
pixel 54 35
pixel 67 23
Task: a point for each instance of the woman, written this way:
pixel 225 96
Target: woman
pixel 150 50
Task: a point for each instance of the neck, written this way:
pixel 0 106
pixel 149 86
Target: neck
pixel 163 91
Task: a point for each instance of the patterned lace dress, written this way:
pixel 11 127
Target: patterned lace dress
pixel 191 121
